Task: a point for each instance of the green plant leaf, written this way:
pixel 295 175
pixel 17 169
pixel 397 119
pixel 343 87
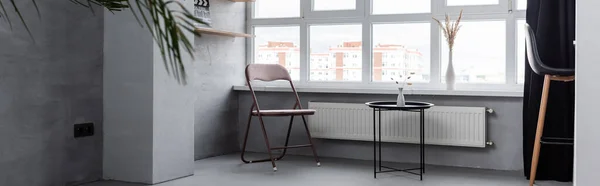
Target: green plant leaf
pixel 21 17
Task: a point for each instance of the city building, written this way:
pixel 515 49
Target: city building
pixel 395 61
pixel 344 62
pixel 284 53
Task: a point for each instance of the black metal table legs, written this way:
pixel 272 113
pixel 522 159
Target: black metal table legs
pixel 377 144
pixel 422 143
pixel 374 146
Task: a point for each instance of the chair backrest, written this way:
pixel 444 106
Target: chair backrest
pixel 266 72
pixel 533 56
pixel 269 72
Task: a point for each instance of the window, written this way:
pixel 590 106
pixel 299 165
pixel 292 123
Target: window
pixel 479 52
pixel 409 39
pixel 521 4
pixel 471 2
pixel 276 8
pixel 368 42
pixel 283 43
pixel 320 5
pixel 401 6
pixel 521 51
pixel 338 40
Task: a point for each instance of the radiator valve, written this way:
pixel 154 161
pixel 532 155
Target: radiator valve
pixel 489 143
pixel 489 110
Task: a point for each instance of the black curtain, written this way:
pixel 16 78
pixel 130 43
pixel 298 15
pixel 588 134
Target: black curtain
pixel 553 22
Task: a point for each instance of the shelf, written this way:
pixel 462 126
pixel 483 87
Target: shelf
pixel 242 0
pixel 213 31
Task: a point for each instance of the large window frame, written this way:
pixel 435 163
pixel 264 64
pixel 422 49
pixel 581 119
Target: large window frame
pixel 506 10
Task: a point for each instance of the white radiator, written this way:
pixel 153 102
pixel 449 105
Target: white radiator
pixel 444 125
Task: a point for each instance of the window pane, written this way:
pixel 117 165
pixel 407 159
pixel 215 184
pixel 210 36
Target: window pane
pixel 278 45
pixel 521 4
pixel 521 51
pixel 401 6
pixel 479 53
pixel 320 5
pixel 276 8
pixel 471 2
pixel 336 53
pixel 399 49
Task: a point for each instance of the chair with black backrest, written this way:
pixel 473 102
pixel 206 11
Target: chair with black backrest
pixel 550 74
pixel 274 72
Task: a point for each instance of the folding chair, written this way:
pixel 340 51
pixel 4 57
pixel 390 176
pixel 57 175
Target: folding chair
pixel 273 72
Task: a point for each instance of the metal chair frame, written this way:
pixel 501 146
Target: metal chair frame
pixel 256 111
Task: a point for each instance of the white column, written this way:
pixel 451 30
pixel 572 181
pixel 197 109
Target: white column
pixel 587 90
pixel 148 117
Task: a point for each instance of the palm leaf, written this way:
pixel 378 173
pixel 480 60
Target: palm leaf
pixel 166 20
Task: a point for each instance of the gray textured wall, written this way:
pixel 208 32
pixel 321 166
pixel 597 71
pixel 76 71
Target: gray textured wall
pixel 44 89
pixel 128 99
pixel 148 115
pixel 219 64
pixel 504 129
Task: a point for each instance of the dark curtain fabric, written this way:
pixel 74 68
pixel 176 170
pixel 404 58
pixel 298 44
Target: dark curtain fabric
pixel 553 22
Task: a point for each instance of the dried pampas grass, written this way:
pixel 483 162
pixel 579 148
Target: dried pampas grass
pixel 450 29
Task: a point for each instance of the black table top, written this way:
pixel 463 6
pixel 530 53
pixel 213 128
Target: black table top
pixel 391 105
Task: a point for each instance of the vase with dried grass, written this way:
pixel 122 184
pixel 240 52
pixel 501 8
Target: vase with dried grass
pixel 450 31
pixel 400 101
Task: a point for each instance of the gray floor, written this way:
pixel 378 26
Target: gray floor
pixel 301 171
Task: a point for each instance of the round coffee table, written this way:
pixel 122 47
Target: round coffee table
pixel 410 106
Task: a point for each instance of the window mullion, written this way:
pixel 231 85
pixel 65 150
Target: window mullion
pixel 367 50
pixel 367 39
pixel 249 29
pixel 511 50
pixel 305 8
pixel 304 45
pixel 435 46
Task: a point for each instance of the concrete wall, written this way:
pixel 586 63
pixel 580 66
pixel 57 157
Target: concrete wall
pixel 156 127
pixel 173 153
pixel 586 94
pixel 149 114
pixel 504 129
pixel 128 99
pixel 219 64
pixel 47 87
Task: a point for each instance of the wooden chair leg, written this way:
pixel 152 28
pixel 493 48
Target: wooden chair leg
pixel 312 145
pixel 540 130
pixel 262 126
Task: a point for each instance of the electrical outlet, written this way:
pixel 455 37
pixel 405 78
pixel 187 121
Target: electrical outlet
pixel 83 130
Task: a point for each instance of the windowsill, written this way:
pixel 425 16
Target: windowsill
pixel 354 90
